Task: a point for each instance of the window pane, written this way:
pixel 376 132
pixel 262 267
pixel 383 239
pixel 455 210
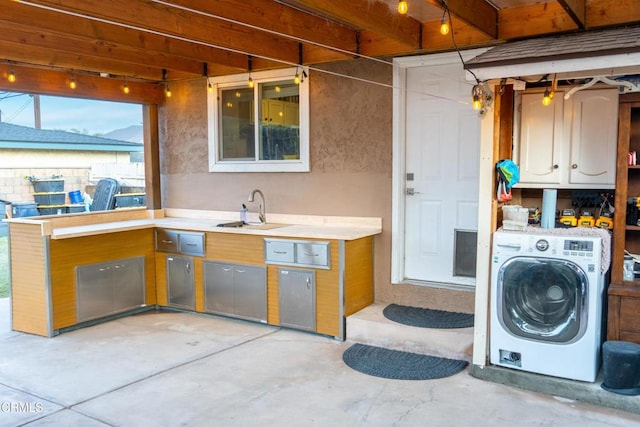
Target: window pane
pixel 280 120
pixel 238 129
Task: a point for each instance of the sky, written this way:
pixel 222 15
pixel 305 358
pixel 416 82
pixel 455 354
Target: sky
pixel 69 114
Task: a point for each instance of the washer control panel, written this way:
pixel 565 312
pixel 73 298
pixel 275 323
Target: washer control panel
pixel 578 245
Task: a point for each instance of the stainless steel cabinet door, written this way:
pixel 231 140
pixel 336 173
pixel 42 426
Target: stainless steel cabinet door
pixel 94 291
pixel 109 287
pixel 180 282
pixel 218 287
pixel 250 292
pixel 128 284
pixel 297 296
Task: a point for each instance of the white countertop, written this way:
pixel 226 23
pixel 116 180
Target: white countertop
pixel 335 228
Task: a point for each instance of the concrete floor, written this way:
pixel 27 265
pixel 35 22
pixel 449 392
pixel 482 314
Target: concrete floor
pixel 171 369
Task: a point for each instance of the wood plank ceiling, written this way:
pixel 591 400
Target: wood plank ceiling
pixel 105 44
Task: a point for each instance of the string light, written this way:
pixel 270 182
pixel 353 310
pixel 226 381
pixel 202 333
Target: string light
pixel 296 78
pixel 125 88
pixel 402 7
pixel 250 67
pixel 12 76
pixel 476 97
pixel 167 90
pixel 444 24
pixel 209 86
pixel 546 98
pixel 549 92
pixel 72 83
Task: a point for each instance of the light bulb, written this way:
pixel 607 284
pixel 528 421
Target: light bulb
pixel 12 77
pixel 167 91
pixel 125 88
pixel 402 7
pixel 444 26
pixel 546 98
pixel 477 97
pixel 296 78
pixel 72 83
pixel 250 83
pixel 477 102
pixel 209 87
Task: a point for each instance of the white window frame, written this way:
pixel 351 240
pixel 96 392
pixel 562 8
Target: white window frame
pixel 216 164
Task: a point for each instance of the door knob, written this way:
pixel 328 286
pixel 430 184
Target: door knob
pixel 410 191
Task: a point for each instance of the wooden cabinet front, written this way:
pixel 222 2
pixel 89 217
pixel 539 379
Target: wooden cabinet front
pixel 67 254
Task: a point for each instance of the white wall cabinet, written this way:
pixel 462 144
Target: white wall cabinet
pixel 569 144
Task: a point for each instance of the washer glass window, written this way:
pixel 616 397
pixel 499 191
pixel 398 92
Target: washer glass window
pixel 543 299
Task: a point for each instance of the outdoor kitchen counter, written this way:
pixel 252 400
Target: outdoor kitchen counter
pixel 73 270
pixel 279 225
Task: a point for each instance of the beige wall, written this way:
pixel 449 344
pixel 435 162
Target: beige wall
pixel 351 166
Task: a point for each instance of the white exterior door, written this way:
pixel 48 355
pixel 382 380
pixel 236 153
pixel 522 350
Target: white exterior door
pixel 442 157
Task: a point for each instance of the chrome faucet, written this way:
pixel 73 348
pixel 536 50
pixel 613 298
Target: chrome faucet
pixel 263 208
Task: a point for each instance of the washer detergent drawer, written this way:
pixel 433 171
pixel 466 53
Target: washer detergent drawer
pixel 543 299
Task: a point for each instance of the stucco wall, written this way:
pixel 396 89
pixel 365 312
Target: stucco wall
pixel 351 166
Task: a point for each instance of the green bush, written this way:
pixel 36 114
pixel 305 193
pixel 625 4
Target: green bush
pixel 4 267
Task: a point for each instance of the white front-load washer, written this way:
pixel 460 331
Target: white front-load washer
pixel 546 304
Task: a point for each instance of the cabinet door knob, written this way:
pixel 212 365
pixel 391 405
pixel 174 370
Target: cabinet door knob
pixel 555 166
pixel 574 166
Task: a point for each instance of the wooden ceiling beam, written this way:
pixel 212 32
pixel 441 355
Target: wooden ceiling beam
pixel 51 58
pixel 373 16
pixel 534 20
pixel 154 17
pixel 465 35
pixel 30 37
pixel 56 83
pixel 100 32
pixel 280 19
pixel 577 10
pixel 612 12
pixel 476 13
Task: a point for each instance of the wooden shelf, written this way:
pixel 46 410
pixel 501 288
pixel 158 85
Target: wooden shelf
pixel 623 321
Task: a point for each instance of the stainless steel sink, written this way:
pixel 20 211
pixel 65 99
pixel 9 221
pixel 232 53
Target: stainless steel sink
pixel 251 225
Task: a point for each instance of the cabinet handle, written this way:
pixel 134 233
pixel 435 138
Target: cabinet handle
pixel 308 283
pixel 311 254
pixel 574 166
pixel 191 244
pixel 240 271
pixel 555 166
pixel 226 268
pixel 167 241
pixel 280 252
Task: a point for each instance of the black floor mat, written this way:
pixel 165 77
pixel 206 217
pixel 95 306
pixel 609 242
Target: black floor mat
pixel 399 365
pixel 427 318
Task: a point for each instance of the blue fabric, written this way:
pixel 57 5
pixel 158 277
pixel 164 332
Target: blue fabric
pixel 509 172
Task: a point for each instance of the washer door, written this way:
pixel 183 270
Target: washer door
pixel 543 299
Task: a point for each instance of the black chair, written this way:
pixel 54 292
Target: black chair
pixel 103 198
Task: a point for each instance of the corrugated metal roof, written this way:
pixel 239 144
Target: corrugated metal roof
pixel 587 44
pixel 14 136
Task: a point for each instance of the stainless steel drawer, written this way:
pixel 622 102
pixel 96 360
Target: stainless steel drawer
pixel 166 240
pixel 279 251
pixel 314 254
pixel 191 243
